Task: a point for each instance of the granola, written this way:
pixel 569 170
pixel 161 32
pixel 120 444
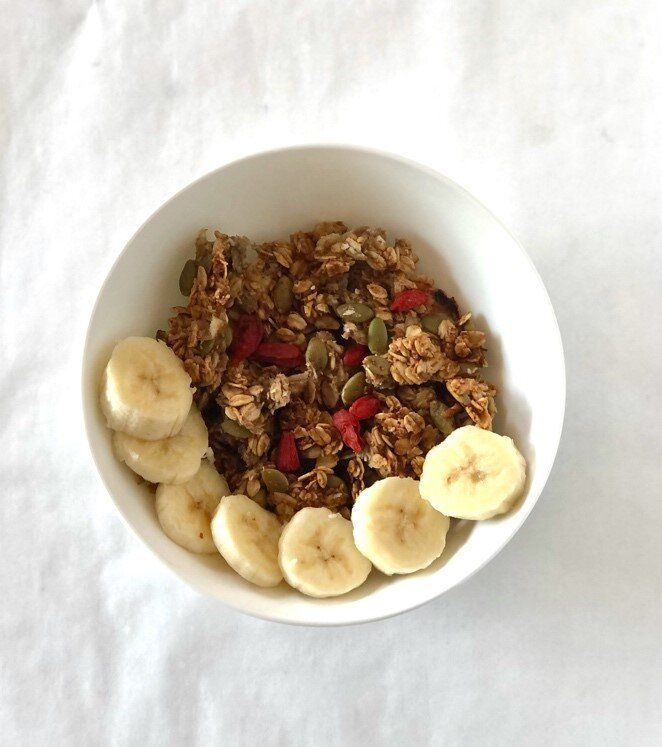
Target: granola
pixel 272 333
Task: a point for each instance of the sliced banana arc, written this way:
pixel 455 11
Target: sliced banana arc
pixel 171 460
pixel 247 537
pixel 145 390
pixel 473 474
pixel 318 556
pixel 185 511
pixel 395 528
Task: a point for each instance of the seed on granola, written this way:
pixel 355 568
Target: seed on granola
pixel 354 388
pixel 234 429
pixel 355 312
pixel 227 336
pixel 431 322
pixel 333 481
pixel 187 277
pixel 260 497
pixel 206 346
pixel 378 366
pixel 274 480
pixel 443 423
pixel 205 260
pixel 312 452
pixel 377 336
pixel 283 294
pixel 316 354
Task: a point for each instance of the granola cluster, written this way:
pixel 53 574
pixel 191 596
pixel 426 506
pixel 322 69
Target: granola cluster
pixel 325 360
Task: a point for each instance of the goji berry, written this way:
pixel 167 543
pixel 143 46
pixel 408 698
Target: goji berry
pixel 365 407
pixel 355 354
pixel 407 300
pixel 287 456
pixel 283 354
pixel 349 429
pixel 246 337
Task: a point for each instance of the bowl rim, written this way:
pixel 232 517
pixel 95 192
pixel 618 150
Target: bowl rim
pixel 522 514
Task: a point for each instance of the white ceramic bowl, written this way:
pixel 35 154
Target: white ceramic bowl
pixel 460 243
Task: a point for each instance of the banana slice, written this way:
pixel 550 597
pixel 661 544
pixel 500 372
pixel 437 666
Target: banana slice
pixel 247 537
pixel 171 460
pixel 395 528
pixel 145 390
pixel 185 511
pixel 473 474
pixel 318 555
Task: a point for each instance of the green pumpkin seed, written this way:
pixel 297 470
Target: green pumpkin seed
pixel 431 322
pixel 283 297
pixel 274 480
pixel 206 346
pixel 204 260
pixel 378 366
pixel 444 424
pixel 312 452
pixel 189 272
pixel 354 388
pixel 355 312
pixel 333 481
pixel 232 428
pixel 316 354
pixel 377 336
pixel 227 336
pixel 260 498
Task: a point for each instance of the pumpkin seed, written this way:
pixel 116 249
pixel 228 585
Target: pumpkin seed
pixel 206 346
pixel 274 480
pixel 312 452
pixel 431 322
pixel 204 260
pixel 377 336
pixel 189 273
pixel 232 428
pixel 355 312
pixel 333 481
pixel 316 354
pixel 260 498
pixel 283 294
pixel 443 423
pixel 378 366
pixel 227 336
pixel 354 388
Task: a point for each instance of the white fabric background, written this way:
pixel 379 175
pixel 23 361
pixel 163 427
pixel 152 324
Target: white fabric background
pixel 550 112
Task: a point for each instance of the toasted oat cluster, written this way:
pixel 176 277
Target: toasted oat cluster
pixel 323 363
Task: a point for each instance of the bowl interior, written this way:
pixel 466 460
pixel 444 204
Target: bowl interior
pixel 469 254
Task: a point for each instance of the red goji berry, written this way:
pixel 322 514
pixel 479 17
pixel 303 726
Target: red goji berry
pixel 287 456
pixel 355 354
pixel 246 337
pixel 349 429
pixel 365 407
pixel 407 300
pixel 283 354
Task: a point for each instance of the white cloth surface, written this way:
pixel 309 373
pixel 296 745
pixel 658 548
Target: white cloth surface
pixel 550 112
